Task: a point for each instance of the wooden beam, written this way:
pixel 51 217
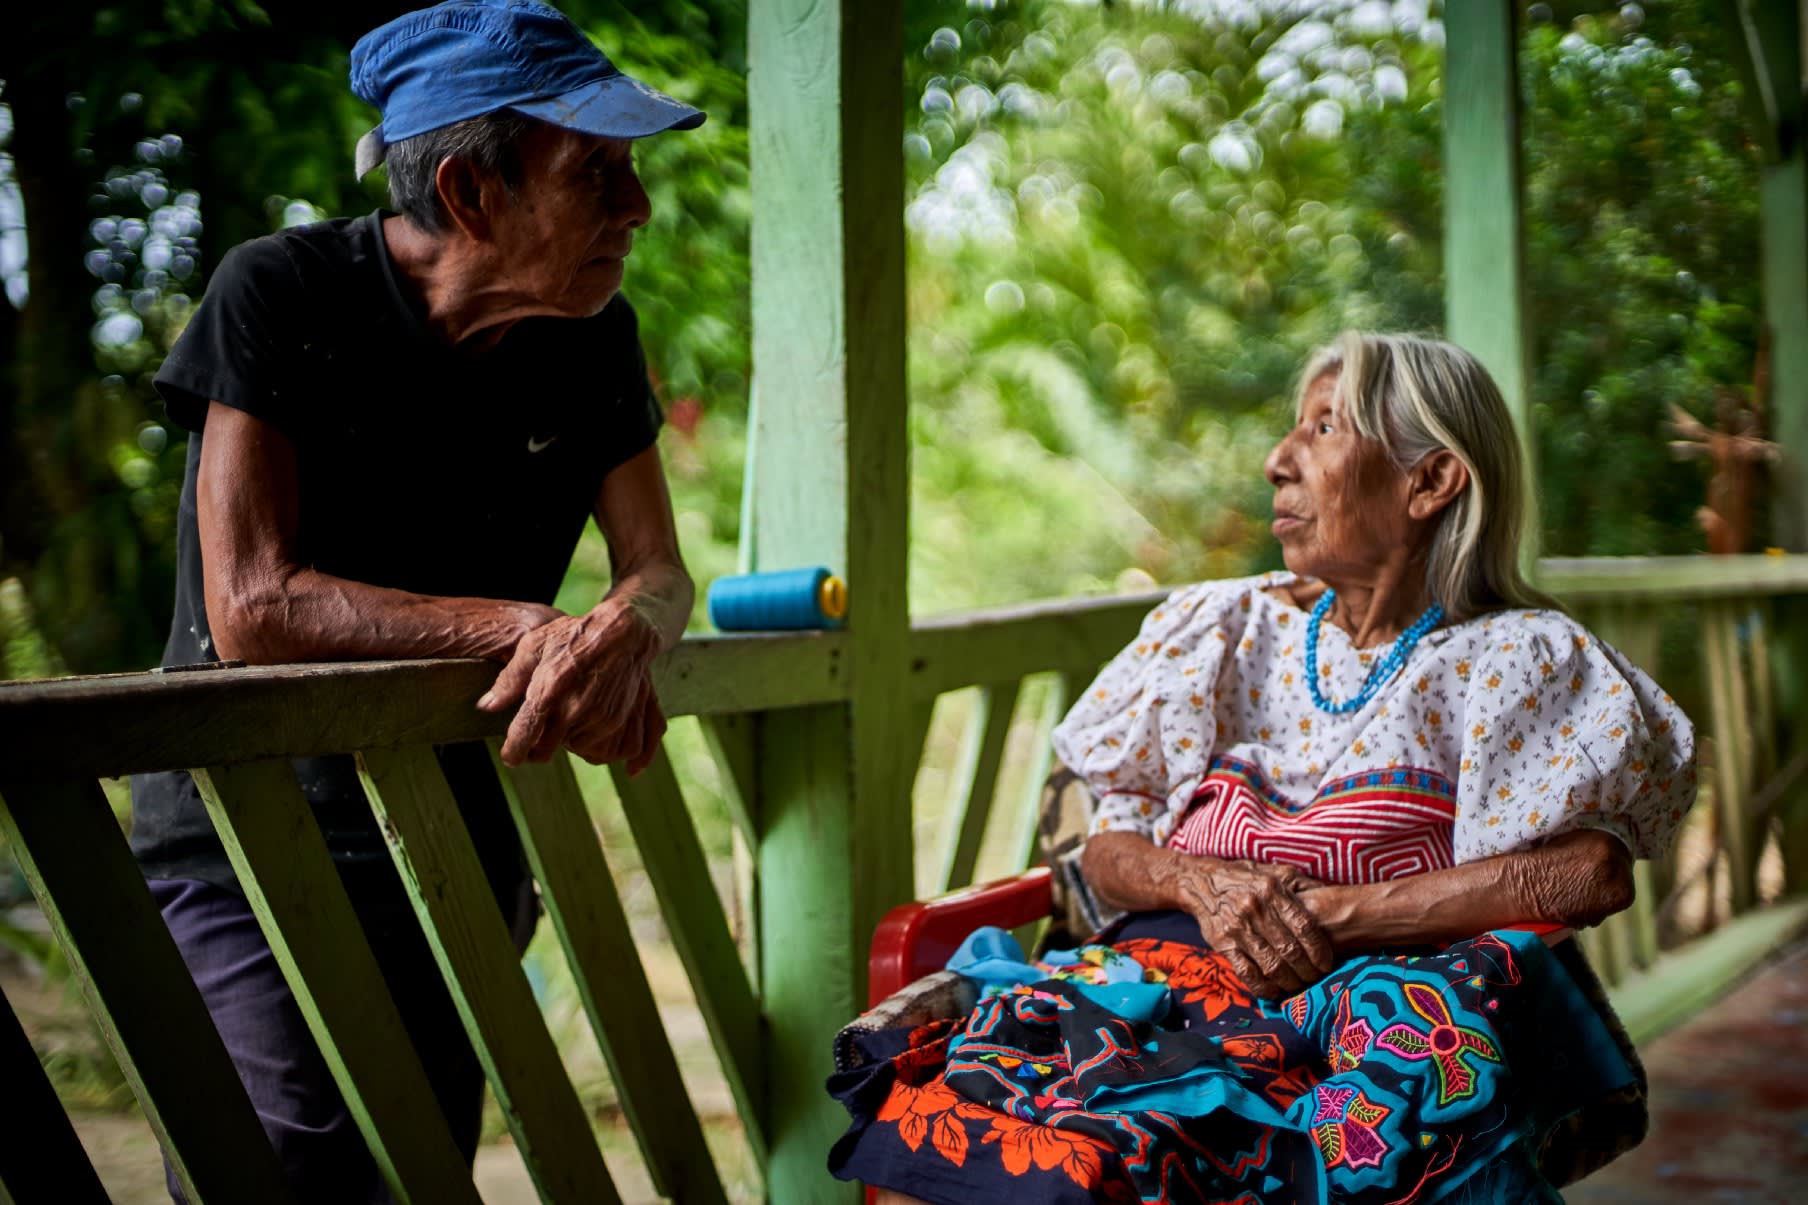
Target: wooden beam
pixel 41 1159
pixel 471 942
pixel 114 724
pixel 566 855
pixel 1658 579
pixel 1484 220
pixel 288 877
pixel 1075 636
pixel 831 487
pixel 75 858
pixel 975 783
pixel 1685 981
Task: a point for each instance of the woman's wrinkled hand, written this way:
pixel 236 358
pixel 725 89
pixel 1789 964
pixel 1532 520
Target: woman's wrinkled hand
pixel 1251 913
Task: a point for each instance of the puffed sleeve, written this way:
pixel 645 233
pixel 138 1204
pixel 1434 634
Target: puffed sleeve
pixel 1142 734
pixel 1561 733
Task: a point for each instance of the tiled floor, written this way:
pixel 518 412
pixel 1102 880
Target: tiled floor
pixel 1729 1095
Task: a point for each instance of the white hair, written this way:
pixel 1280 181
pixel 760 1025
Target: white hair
pixel 1418 396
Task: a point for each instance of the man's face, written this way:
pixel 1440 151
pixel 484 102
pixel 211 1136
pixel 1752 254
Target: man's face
pixel 562 243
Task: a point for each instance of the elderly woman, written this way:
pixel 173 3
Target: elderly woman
pixel 1336 804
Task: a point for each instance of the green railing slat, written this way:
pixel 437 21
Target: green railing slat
pixel 731 741
pixel 975 782
pixel 72 852
pixel 1061 693
pixel 674 861
pixel 269 832
pixel 567 858
pixel 471 942
pixel 41 1159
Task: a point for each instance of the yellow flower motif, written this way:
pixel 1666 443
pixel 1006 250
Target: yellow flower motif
pixel 1533 818
pixel 1479 731
pixel 1617 732
pixel 1547 669
pixel 1575 684
pixel 1435 719
pixel 1189 671
pixel 1186 742
pixel 1287 678
pixel 1098 694
pixel 1515 744
pixel 1196 700
pixel 1247 644
pixel 1142 650
pixel 1146 808
pixel 1462 669
pixel 1423 743
pixel 1142 753
pixel 1503 793
pixel 1555 760
pixel 1530 702
pixel 1568 730
pixel 1173 652
pixel 1283 619
pixel 1365 658
pixel 1359 748
pixel 1508 647
pixel 1493 682
pixel 1468 764
pixel 1493 820
pixel 1581 641
pixel 1255 694
pixel 1312 769
pixel 1264 733
pixel 1288 652
pixel 1305 725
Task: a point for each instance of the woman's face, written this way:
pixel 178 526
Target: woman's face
pixel 1341 508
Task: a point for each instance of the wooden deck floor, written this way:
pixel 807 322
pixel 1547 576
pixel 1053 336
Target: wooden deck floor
pixel 1729 1095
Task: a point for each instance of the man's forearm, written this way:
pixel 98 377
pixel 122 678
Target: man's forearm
pixel 1574 880
pixel 305 615
pixel 1131 874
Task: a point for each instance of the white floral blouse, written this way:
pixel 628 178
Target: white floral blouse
pixel 1500 732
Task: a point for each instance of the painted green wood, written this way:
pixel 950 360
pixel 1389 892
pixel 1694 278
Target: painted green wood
pixel 477 956
pixel 975 783
pixel 805 900
pixel 826 117
pixel 566 856
pixel 674 862
pixel 41 1158
pixel 1484 225
pixel 1758 88
pixel 722 675
pixel 948 652
pixel 70 848
pixel 1729 718
pixel 1687 980
pixel 1659 579
pixel 288 877
pixel 1060 696
pixel 1647 899
pixel 732 742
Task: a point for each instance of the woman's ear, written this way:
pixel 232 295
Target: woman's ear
pixel 461 192
pixel 1437 480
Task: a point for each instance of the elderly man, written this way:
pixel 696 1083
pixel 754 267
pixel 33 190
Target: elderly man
pixel 400 424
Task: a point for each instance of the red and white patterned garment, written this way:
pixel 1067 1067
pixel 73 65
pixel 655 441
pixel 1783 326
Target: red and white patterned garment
pixel 1500 732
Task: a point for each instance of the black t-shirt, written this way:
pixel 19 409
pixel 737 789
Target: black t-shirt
pixel 419 466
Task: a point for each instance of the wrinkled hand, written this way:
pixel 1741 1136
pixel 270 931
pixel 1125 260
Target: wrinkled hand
pixel 582 681
pixel 1250 913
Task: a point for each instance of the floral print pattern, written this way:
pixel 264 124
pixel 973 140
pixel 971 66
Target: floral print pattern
pixel 1542 727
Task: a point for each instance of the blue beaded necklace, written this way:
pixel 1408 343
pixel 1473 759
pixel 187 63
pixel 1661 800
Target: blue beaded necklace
pixel 1393 663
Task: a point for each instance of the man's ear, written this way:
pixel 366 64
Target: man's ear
pixel 462 195
pixel 1437 480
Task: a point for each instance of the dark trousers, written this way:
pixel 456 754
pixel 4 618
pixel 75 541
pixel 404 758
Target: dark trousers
pixel 316 1140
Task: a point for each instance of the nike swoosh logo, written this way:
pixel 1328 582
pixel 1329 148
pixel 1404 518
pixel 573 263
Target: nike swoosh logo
pixel 540 445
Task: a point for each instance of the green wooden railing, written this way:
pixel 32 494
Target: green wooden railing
pixel 237 728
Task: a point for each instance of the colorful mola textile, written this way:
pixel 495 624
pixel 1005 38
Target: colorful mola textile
pixel 1397 1078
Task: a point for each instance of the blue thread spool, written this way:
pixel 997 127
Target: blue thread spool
pixel 789 599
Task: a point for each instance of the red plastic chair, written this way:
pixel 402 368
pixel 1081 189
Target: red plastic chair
pixel 917 939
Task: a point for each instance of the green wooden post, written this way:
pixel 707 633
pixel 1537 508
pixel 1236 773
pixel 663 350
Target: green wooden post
pixel 1766 37
pixel 1484 220
pixel 825 98
pixel 41 1159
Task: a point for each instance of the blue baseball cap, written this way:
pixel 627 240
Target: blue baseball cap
pixel 433 68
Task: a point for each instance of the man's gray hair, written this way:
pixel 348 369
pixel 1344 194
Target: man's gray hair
pixel 1418 396
pixel 491 144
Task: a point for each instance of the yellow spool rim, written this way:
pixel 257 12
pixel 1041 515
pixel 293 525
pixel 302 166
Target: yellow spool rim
pixel 831 596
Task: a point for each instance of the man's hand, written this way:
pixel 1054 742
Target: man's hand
pixel 1250 913
pixel 583 681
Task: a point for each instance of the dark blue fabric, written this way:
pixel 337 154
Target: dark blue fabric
pixel 1422 1076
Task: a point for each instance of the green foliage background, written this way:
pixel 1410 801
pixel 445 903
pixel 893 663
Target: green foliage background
pixel 1129 223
